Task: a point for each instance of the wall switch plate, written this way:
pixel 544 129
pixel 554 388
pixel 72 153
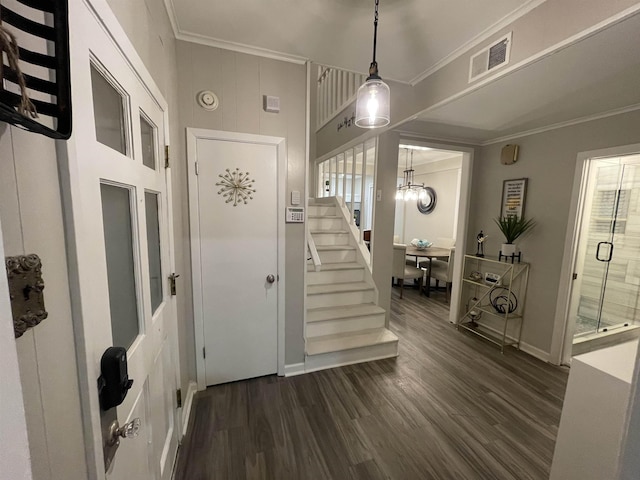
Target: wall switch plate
pixel 295 197
pixel 271 104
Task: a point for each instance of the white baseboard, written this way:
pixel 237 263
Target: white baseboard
pixel 535 352
pixel 525 347
pixel 294 369
pixel 186 406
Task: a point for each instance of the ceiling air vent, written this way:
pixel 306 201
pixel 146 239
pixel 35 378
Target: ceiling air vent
pixel 490 58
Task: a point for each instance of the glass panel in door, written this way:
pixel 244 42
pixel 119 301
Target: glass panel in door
pixel 118 239
pixel 153 246
pixel 147 142
pixel 609 247
pixel 109 112
pixel 620 302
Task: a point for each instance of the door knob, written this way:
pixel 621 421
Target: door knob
pixel 271 278
pixel 128 430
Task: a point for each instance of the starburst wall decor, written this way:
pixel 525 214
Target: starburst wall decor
pixel 236 186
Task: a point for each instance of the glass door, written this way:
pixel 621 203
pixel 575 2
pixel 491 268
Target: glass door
pixel 608 267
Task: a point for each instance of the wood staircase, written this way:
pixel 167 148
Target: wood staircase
pixel 344 324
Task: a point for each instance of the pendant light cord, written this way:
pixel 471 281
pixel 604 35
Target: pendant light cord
pixel 375 31
pixel 373 68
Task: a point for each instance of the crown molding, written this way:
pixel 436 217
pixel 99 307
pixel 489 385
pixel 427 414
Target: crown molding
pixel 567 123
pixel 173 19
pixel 478 39
pixel 186 36
pixel 239 47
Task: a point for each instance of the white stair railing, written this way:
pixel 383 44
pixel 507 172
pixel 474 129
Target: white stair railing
pixel 313 251
pixel 336 89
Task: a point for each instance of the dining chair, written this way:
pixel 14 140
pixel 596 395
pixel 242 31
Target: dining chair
pixel 442 271
pixel 401 271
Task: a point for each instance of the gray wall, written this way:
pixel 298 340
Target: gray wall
pixel 548 160
pixel 240 80
pixel 444 178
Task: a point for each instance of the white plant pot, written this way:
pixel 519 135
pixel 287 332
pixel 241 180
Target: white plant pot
pixel 508 249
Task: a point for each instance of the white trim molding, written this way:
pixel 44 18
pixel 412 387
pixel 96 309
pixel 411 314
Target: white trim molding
pixel 535 352
pixel 192 37
pixel 294 369
pixel 186 407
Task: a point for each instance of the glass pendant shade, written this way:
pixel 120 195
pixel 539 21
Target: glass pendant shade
pixel 372 105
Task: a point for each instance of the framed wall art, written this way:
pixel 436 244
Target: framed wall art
pixel 514 194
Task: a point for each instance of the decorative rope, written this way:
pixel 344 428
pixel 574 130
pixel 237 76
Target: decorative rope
pixel 9 45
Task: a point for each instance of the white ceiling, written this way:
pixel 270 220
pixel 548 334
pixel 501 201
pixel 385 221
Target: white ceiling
pixel 413 35
pixel 599 74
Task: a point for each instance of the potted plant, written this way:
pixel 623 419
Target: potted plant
pixel 513 227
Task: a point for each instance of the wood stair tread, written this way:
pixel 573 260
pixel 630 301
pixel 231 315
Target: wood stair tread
pixel 321 314
pixel 338 288
pixel 348 341
pixel 326 267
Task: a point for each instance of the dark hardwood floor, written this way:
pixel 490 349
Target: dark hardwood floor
pixel 449 407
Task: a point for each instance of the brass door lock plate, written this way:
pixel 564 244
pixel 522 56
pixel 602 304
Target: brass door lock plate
pixel 24 273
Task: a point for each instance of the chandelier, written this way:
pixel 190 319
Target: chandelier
pixel 409 190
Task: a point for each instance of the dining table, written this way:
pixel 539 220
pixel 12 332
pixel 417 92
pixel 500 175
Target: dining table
pixel 430 253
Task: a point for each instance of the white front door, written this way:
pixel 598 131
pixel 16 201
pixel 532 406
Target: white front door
pixel 118 212
pixel 233 192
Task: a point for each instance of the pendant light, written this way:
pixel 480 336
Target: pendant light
pixel 409 190
pixel 372 105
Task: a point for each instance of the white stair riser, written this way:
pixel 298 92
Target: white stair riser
pixel 337 256
pixel 325 223
pixel 339 299
pixel 344 325
pixel 346 357
pixel 321 210
pixel 331 239
pixel 335 276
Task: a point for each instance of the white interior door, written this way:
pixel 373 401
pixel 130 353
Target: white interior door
pixel 233 190
pixel 118 212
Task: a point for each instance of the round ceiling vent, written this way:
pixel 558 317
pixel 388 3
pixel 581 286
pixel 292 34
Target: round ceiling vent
pixel 208 100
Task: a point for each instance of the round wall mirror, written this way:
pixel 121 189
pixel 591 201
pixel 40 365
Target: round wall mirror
pixel 427 203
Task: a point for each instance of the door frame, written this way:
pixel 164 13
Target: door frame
pixel 193 135
pixel 68 162
pixel 558 352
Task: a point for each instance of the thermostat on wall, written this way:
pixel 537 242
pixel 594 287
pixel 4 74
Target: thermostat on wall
pixel 295 215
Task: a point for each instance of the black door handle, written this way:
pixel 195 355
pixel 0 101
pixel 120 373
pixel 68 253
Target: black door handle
pixel 608 259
